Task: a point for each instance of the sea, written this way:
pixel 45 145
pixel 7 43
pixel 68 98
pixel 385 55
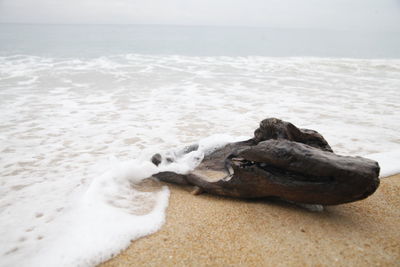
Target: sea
pixel 84 107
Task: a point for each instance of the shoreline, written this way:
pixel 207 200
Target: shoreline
pixel 211 230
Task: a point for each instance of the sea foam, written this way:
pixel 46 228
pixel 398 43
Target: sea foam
pixel 64 202
pixel 389 162
pixel 98 222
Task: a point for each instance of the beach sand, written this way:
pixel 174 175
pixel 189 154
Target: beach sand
pixel 214 231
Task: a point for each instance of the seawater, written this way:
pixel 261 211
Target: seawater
pixel 77 132
pixel 87 41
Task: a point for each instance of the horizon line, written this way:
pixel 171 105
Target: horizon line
pixel 198 25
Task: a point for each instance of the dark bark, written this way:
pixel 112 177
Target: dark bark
pixel 282 161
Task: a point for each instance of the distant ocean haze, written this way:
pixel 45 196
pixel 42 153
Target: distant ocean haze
pixel 100 40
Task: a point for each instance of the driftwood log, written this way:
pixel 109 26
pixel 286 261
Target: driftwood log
pixel 281 161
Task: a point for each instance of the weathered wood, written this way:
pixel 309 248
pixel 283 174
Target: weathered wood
pixel 282 161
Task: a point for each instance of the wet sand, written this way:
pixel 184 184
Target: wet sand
pixel 214 231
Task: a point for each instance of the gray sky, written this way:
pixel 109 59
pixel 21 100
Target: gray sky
pixel 376 15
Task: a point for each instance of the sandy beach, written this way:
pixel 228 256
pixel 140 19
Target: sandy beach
pixel 214 231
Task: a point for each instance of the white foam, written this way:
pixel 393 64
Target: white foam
pixel 101 220
pixel 388 161
pixel 183 163
pixel 61 119
pixel 110 214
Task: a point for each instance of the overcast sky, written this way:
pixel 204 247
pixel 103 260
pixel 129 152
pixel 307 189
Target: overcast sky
pixel 377 15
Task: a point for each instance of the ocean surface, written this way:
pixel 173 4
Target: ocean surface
pixel 86 41
pixel 83 108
